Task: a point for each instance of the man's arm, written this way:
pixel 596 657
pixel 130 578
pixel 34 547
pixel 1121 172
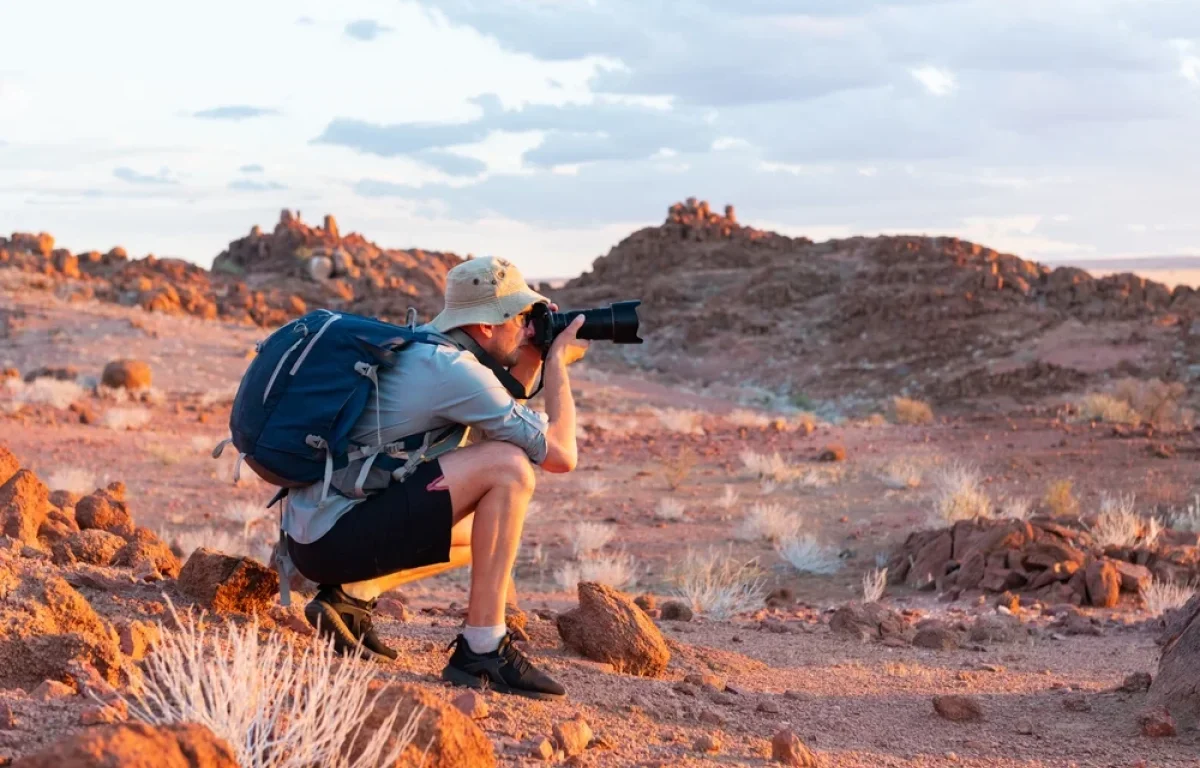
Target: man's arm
pixel 526 371
pixel 562 454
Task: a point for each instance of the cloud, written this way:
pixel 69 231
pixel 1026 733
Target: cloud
pixel 131 176
pixel 234 112
pixel 366 29
pixel 937 81
pixel 305 21
pixel 251 168
pixel 253 185
pixel 453 164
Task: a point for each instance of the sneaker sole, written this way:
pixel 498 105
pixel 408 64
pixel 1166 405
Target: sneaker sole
pixel 328 624
pixel 458 677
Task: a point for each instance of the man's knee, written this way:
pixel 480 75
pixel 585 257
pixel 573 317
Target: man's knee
pixel 513 468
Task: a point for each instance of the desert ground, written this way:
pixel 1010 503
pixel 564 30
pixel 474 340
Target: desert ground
pixel 668 475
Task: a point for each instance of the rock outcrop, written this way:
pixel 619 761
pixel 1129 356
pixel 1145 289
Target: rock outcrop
pixel 135 745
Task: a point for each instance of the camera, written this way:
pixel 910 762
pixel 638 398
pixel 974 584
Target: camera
pixel 617 323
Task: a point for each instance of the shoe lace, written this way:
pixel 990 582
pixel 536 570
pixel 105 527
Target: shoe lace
pixel 513 655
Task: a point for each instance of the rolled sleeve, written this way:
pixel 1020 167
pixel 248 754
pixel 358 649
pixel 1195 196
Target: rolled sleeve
pixel 475 398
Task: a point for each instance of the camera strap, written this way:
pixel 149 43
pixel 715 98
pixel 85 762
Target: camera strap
pixel 507 380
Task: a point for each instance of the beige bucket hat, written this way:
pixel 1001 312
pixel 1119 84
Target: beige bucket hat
pixel 488 291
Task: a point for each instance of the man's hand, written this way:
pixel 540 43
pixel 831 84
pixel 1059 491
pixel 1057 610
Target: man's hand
pixel 566 347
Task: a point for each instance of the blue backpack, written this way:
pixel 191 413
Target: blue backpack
pixel 306 389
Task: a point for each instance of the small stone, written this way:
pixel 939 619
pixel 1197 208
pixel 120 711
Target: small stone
pixel 49 690
pixel 708 742
pixel 957 708
pixel 1025 726
pixel 768 706
pixel 701 680
pixel 572 736
pixel 137 637
pixel 788 749
pixel 543 750
pixel 471 704
pixel 1077 703
pixel 1157 723
pixel 673 610
pixel 832 453
pixel 393 609
pixel 645 602
pixel 1136 682
pixel 709 717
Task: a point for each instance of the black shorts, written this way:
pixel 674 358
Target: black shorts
pixel 406 525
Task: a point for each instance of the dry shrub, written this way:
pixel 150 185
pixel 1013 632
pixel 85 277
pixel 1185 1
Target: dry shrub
pixel 670 508
pixel 900 473
pixel 717 585
pixel 72 479
pixel 769 522
pixel 959 495
pixel 586 537
pixel 910 411
pixel 807 555
pixel 1136 401
pixel 121 419
pixel 1160 596
pixel 675 470
pixel 874 582
pixel 618 571
pixel 1060 498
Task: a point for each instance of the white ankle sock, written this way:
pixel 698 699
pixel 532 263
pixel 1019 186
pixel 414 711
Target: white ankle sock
pixel 484 639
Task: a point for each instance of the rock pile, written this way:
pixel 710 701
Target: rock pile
pixel 263 278
pixel 924 315
pixel 1053 559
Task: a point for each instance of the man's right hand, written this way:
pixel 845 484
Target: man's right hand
pixel 567 348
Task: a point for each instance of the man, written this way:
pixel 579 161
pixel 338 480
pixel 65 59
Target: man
pixel 461 504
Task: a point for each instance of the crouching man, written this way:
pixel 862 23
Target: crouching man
pixel 464 503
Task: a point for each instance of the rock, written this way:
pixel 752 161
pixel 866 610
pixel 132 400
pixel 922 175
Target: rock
pixel 708 717
pixel 608 627
pixel 959 709
pixel 471 704
pixel 224 583
pixel 117 712
pixel 138 637
pixel 135 745
pixel 515 620
pixel 49 690
pixel 542 749
pixel 8 463
pixel 931 561
pixel 867 621
pixel 7 718
pixel 1103 583
pixel 673 610
pixel 788 749
pixel 65 499
pixel 452 737
pixel 645 602
pixel 91 546
pixel 24 505
pixel 1076 703
pixel 1136 682
pixel 1178 677
pixel 127 374
pixel 709 743
pixel 1134 578
pixel 1025 727
pixel 1157 723
pixel 46 626
pixel 1008 601
pixel 936 635
pixel 105 510
pixel 144 547
pixel 572 736
pixel 393 609
pixel 995 628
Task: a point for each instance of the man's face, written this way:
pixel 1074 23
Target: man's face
pixel 508 339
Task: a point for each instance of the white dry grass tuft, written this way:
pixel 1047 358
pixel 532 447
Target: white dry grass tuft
pixel 203 443
pixel 1097 406
pixel 1118 524
pixel 743 417
pixel 1161 596
pixel 121 419
pixel 670 508
pixel 959 495
pixel 874 582
pixel 900 474
pixel 278 703
pixel 188 540
pixel 213 396
pixel 246 513
pixel 617 571
pixel 717 585
pixel 586 537
pixel 763 467
pixel 45 391
pixel 1187 519
pixel 680 421
pixel 807 555
pixel 771 522
pixel 72 480
pixel 727 498
pixel 1016 508
pixel 820 477
pixel 593 485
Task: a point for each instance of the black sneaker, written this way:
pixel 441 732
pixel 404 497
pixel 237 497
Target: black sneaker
pixel 347 621
pixel 504 670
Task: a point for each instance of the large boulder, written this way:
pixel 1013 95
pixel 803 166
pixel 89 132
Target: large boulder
pixel 1177 684
pixel 127 374
pixel 135 745
pixel 105 510
pixel 8 462
pixel 24 505
pixel 45 625
pixel 452 738
pixel 608 627
pixel 224 583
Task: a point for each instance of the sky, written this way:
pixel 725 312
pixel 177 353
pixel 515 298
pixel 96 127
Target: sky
pixel 547 130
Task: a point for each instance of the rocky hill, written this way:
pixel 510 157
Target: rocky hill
pixel 869 317
pixel 263 278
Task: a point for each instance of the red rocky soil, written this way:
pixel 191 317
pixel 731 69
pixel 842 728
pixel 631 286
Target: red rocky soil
pixel 809 676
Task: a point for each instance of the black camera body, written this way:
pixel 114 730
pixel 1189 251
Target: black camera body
pixel 617 323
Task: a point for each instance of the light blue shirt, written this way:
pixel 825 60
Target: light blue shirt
pixel 430 387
